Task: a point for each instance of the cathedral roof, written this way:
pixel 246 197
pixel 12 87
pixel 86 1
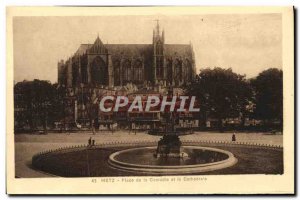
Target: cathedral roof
pixel 180 50
pixel 140 50
pixel 82 49
pixel 129 50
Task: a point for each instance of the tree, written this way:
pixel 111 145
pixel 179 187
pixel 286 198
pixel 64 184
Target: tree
pixel 268 86
pixel 37 103
pixel 222 94
pixel 57 111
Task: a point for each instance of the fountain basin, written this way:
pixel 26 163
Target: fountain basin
pixel 196 159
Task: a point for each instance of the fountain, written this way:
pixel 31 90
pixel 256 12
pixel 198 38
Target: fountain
pixel 170 156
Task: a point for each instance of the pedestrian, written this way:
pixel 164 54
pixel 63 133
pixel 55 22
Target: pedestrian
pixel 67 130
pixel 93 142
pixel 93 127
pixel 90 141
pixel 233 139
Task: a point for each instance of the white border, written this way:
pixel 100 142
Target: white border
pixel 94 2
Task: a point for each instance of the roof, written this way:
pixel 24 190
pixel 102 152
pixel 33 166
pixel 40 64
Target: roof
pixel 184 50
pixel 82 49
pixel 140 50
pixel 129 50
pixel 97 47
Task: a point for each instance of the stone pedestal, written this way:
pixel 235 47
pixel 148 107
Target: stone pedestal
pixel 168 146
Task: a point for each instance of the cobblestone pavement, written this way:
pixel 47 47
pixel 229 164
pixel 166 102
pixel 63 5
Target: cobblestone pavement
pixel 26 145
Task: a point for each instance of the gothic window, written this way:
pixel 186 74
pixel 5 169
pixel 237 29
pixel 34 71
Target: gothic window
pixel 117 74
pixel 183 70
pixel 84 73
pixel 178 69
pixel 169 70
pixel 74 74
pixel 159 67
pixel 98 71
pixel 127 70
pixel 138 67
pixel 188 68
pixel 158 48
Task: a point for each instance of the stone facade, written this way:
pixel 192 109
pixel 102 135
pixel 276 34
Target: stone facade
pixel 98 64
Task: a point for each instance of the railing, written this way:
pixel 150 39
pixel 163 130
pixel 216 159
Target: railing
pixel 39 162
pixel 151 142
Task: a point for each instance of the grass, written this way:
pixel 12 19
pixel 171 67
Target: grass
pixel 74 164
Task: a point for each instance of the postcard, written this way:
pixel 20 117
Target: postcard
pixel 150 100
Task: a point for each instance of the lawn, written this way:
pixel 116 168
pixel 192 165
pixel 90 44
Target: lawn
pixel 251 160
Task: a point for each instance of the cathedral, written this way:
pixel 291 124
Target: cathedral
pixel 108 65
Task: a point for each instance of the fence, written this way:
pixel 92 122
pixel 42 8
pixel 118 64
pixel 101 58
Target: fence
pixel 40 161
pixel 151 142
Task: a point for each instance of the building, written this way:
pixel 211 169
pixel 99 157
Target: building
pixel 144 120
pixel 98 69
pixel 150 119
pixel 111 65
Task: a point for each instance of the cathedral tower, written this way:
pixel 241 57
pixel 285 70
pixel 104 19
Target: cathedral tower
pixel 158 55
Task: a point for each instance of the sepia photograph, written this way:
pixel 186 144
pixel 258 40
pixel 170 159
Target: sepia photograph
pixel 139 97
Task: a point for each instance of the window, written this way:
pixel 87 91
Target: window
pixel 138 68
pixel 117 74
pixel 178 69
pixel 98 71
pixel 127 70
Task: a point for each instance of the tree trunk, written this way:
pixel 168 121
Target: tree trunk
pixel 242 125
pixel 203 119
pixel 220 124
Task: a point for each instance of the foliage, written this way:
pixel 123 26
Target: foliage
pixel 268 87
pixel 222 94
pixel 37 103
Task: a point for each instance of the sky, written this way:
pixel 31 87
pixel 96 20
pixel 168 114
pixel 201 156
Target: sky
pixel 248 43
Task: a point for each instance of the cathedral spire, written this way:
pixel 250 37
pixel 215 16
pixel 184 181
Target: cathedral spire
pixel 157 26
pixel 153 38
pixel 157 35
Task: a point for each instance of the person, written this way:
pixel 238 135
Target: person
pixel 233 139
pixel 132 128
pixel 67 130
pixel 93 127
pixel 93 142
pixel 90 141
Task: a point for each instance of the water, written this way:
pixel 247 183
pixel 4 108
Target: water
pixel 195 156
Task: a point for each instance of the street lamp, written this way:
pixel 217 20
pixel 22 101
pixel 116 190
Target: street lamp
pixel 45 106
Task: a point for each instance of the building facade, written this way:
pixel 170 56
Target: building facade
pixel 99 64
pixel 96 70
